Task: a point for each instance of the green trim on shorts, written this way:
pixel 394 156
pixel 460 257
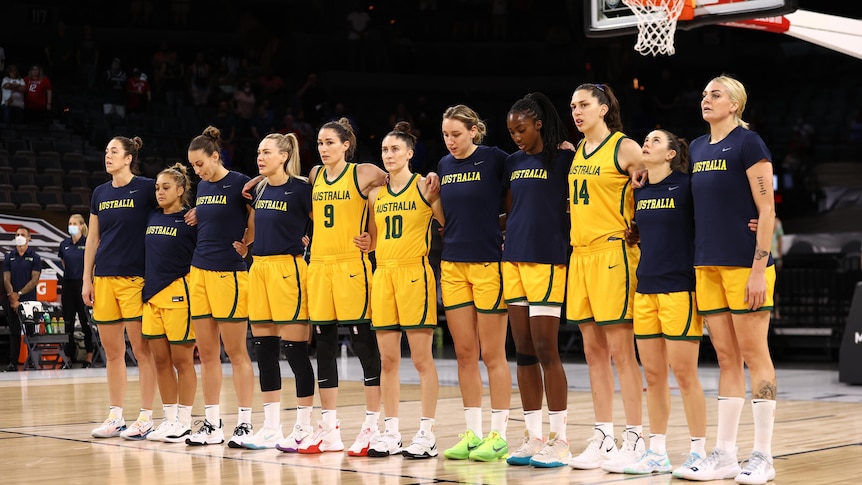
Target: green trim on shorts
pixel 386 327
pixel 460 305
pixel 615 322
pixel 154 337
pixel 107 322
pixel 761 309
pixel 201 317
pixel 690 315
pixel 406 328
pixel 628 279
pixel 494 311
pixel 579 322
pixel 500 294
pixel 355 322
pixel 550 285
pixel 546 303
pixel 684 337
pixel 649 337
pixel 182 342
pixel 367 286
pixel 230 320
pixel 188 311
pixel 713 312
pixel 235 298
pixel 298 293
pixel 323 322
pixel 278 322
pixel 513 300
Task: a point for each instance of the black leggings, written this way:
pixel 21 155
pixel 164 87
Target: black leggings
pixel 12 317
pixel 73 305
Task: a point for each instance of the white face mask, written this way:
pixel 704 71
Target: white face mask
pixel 74 230
pixel 20 240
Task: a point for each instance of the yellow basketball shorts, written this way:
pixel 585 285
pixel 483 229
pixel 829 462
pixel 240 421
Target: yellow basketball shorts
pixel 722 288
pixel 339 290
pixel 534 283
pixel 601 283
pixel 672 316
pixel 117 299
pixel 278 284
pixel 477 284
pixel 404 295
pixel 221 295
pixel 167 314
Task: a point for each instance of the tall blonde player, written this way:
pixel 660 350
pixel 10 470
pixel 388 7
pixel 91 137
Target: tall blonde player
pixel 602 281
pixel 404 295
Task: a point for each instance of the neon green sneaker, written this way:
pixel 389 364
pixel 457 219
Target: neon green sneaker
pixel 492 448
pixel 461 451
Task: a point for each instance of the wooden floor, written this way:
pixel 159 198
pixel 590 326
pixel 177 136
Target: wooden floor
pixel 45 437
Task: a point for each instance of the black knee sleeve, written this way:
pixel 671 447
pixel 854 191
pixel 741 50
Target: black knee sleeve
pixel 267 351
pixel 300 364
pixel 365 347
pixel 526 359
pixel 327 345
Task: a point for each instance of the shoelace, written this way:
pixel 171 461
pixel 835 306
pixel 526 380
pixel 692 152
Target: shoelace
pixel 711 459
pixel 206 427
pixel 755 461
pixel 242 429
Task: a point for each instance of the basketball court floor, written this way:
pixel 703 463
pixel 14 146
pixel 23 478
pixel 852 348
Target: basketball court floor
pixel 47 417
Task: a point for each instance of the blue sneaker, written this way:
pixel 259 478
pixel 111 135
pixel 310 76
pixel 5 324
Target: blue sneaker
pixel 649 462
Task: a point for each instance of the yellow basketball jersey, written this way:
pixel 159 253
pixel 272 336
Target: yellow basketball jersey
pixel 600 195
pixel 339 210
pixel 403 223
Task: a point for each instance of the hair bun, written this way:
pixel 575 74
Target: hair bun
pixel 403 127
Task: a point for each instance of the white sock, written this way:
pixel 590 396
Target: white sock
pixel 473 417
pixel 272 414
pixel 657 443
pixel 243 415
pixel 426 425
pixel 184 414
pixel 729 412
pixel 327 416
pixel 372 420
pixel 170 411
pixel 603 429
pixel 533 423
pixel 145 415
pixel 638 431
pixel 764 419
pixel 213 414
pixel 558 423
pixel 116 412
pixel 303 415
pixel 698 445
pixel 391 425
pixel 500 421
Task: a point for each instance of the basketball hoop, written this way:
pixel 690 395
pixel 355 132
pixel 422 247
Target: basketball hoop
pixel 657 23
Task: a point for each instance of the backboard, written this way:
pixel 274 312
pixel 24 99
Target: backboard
pixel 607 18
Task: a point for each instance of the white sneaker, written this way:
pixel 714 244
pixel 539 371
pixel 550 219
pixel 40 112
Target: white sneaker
pixel 389 443
pixel 363 442
pixel 323 440
pixel 264 439
pixel 649 462
pixel 531 446
pixel 178 433
pixel 292 442
pixel 758 470
pixel 138 430
pixel 159 433
pixel 242 433
pixel 554 454
pixel 424 445
pixel 631 450
pixel 719 465
pixel 112 426
pixel 207 434
pixel 597 452
pixel 691 460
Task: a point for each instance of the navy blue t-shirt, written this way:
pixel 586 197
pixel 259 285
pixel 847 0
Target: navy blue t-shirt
pixel 665 218
pixel 123 213
pixel 21 268
pixel 170 243
pixel 281 216
pixel 537 227
pixel 723 203
pixel 222 214
pixel 470 191
pixel 72 255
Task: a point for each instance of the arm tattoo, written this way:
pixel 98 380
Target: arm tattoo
pixel 766 390
pixel 761 185
pixel 760 254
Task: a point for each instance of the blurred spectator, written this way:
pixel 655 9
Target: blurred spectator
pixel 139 94
pixel 2 58
pixel 303 133
pixel 37 99
pixel 803 137
pixel 200 80
pixel 244 103
pixel 313 98
pixel 173 81
pixel 263 121
pixel 13 95
pixel 271 87
pixel 357 33
pixel 114 90
pixel 88 58
pixel 60 53
pixel 225 121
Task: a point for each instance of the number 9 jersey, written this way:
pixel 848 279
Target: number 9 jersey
pixel 339 211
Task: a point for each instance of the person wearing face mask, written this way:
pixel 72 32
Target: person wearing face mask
pixel 21 270
pixel 71 253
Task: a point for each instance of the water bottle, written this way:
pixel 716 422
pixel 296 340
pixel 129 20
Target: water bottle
pixel 62 324
pixel 48 327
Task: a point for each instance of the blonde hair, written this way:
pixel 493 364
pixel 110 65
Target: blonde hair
pixel 736 93
pixel 470 118
pixel 81 222
pixel 180 174
pixel 288 144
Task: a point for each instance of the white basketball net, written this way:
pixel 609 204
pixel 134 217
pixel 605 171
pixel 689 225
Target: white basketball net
pixel 656 24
